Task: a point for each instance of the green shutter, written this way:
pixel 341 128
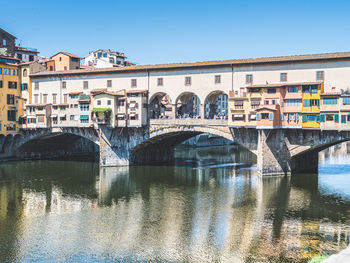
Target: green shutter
pixel 28 120
pixel 336 117
pixel 271 116
pixel 318 118
pixel 304 118
pixel 34 120
pixel 343 119
pixel 322 118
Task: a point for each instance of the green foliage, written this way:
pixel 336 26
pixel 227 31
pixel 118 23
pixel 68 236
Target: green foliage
pixel 318 259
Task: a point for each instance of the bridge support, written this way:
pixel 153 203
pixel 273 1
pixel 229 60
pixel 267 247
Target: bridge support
pixel 275 154
pixel 116 144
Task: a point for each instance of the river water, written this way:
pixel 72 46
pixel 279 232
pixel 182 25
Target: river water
pixel 209 207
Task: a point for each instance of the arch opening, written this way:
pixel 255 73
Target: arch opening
pixel 160 106
pixel 216 105
pixel 188 105
pixel 59 146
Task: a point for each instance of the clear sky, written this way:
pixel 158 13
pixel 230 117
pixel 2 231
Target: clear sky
pixel 151 32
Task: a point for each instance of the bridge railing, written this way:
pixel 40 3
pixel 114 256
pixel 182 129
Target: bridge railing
pixel 192 122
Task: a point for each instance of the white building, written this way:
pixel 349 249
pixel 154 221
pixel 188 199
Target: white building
pixel 205 80
pixel 106 59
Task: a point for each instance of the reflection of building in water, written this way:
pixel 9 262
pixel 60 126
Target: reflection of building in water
pixel 337 154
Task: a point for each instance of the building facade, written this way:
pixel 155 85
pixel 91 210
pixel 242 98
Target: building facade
pixel 11 104
pixel 106 59
pixel 7 43
pixel 65 61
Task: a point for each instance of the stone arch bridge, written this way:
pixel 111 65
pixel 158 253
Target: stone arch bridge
pixel 279 151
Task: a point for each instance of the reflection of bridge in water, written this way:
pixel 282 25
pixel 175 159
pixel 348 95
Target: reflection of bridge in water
pixel 190 211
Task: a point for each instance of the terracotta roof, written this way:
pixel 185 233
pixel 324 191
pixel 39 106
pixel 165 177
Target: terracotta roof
pixel 86 67
pixel 7 57
pixel 98 90
pixel 24 49
pixel 221 63
pixel 267 107
pixel 330 93
pixel 136 91
pixel 63 104
pixel 67 54
pixel 75 93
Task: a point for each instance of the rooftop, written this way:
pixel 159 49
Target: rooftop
pixel 67 54
pixel 220 63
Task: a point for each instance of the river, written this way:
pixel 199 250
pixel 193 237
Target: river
pixel 207 207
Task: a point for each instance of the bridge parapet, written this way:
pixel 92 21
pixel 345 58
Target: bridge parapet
pixel 192 122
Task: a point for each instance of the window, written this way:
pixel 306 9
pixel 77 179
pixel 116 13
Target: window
pixel 54 98
pixel 84 107
pixel 60 58
pixel 255 102
pixel 238 117
pixel 72 117
pixel 293 89
pixel 311 102
pixel 319 75
pixel 24 86
pixel 346 101
pixel 10 99
pixel 19 56
pixel 51 68
pixel 45 98
pixel 134 117
pixel 0 83
pixel 36 85
pixel 133 83
pixel 6 71
pixel 64 85
pixel 0 70
pixel 217 79
pixel 109 102
pixel 4 42
pixel 283 77
pixel 36 98
pixel 310 88
pixel 25 73
pixel 65 67
pixel 111 60
pixel 104 55
pixel 249 79
pixel 109 83
pixel 12 85
pixel 274 102
pixel 11 115
pixel 292 116
pixel 265 116
pixel 271 90
pixel 266 102
pixel 99 102
pixel 85 84
pixel 294 102
pixel 121 103
pixel 312 117
pixel 65 98
pixel 330 101
pixel 329 117
pixel 31 58
pixel 188 81
pixel 160 82
pixel 84 118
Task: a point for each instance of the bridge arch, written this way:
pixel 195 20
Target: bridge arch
pixel 163 140
pixel 216 105
pixel 188 104
pixel 49 143
pixel 160 106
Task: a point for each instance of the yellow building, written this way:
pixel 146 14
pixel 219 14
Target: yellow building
pixel 242 109
pixel 11 105
pixel 311 95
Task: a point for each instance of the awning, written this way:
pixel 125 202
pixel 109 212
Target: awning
pixel 54 116
pixel 238 115
pixel 61 115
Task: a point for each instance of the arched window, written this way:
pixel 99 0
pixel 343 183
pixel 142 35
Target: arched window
pixel 24 73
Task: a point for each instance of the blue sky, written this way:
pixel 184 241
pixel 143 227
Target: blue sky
pixel 151 32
